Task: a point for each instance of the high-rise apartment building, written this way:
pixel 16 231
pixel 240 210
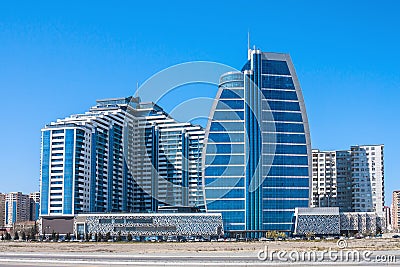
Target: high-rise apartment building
pixel 167 154
pixel 17 208
pixel 396 210
pixel 388 217
pixel 344 181
pixel 352 180
pixel 324 179
pixel 122 155
pixel 2 209
pixel 258 153
pixel 367 168
pixel 34 205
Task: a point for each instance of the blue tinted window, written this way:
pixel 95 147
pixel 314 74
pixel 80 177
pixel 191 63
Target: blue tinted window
pixel 224 171
pixel 275 67
pixel 287 116
pixel 278 216
pixel 284 204
pixel 232 93
pixel 225 137
pixel 233 216
pixel 284 138
pixel 283 105
pixel 224 159
pixel 58 131
pixel 230 227
pixel 234 84
pixel 44 196
pixel 289 127
pixel 285 193
pixel 289 149
pixel 218 193
pixel 226 126
pixel 246 66
pixel 224 148
pixel 288 171
pixel 286 182
pixel 226 205
pixel 290 160
pixel 228 115
pixel 277 82
pixel 68 171
pixel 280 95
pixel 224 182
pixel 55 211
pixel 290 138
pixel 230 104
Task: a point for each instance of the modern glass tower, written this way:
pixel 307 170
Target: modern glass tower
pixel 257 147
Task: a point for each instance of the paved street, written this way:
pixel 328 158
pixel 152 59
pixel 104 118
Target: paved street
pixel 175 259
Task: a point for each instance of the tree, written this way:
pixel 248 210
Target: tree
pixel 130 238
pixel 32 233
pixel 16 236
pixel 87 237
pixel 8 236
pixel 310 235
pixel 2 237
pixel 119 238
pixel 53 235
pixel 32 236
pixel 95 237
pixel 100 237
pixel 272 234
pixel 23 236
pixel 68 236
pixel 57 236
pixel 108 236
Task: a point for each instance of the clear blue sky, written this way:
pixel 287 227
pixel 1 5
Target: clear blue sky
pixel 58 57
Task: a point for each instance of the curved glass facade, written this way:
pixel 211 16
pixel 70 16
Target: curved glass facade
pixel 257 148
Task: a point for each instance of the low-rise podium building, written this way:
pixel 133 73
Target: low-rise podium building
pixel 135 224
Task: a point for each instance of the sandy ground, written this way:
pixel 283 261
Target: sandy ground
pixel 169 247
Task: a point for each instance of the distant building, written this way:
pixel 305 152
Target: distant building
pixel 17 208
pixel 388 217
pixel 34 205
pixel 396 210
pixel 352 180
pixel 2 209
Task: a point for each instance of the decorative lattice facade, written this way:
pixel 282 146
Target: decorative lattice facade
pixel 329 221
pixel 196 224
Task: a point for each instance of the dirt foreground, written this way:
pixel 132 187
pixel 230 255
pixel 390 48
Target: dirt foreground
pixel 175 247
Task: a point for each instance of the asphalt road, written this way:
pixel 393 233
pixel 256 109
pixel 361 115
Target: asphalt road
pixel 183 259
